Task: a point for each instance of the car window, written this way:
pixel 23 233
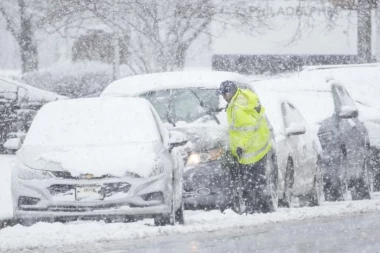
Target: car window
pixel 344 97
pixel 183 105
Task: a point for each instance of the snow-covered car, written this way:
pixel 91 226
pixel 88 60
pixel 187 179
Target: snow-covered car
pixel 298 151
pixel 108 158
pixel 19 103
pixel 362 81
pixel 187 102
pixel 330 110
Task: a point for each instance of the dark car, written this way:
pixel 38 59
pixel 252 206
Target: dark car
pixel 328 106
pixel 187 102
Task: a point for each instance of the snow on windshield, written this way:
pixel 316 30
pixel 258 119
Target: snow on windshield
pixel 93 122
pixel 184 105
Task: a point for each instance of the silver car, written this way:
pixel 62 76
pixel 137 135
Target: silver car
pixel 98 158
pixel 298 152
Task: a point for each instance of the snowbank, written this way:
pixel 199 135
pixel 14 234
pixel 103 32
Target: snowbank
pixel 43 235
pixel 56 235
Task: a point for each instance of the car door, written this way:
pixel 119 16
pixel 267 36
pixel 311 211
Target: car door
pixel 302 150
pixel 352 132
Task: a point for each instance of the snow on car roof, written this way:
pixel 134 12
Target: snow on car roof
pixel 139 84
pixel 26 91
pixel 306 98
pixel 361 81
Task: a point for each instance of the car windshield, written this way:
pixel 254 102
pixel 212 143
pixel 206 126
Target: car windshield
pixel 92 123
pixel 184 105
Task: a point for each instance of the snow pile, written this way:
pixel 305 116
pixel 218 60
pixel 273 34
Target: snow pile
pixel 6 165
pixel 57 235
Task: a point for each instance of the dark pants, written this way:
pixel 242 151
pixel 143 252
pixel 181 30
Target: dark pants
pixel 253 183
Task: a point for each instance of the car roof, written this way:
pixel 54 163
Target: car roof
pixel 125 104
pixel 140 84
pixel 25 91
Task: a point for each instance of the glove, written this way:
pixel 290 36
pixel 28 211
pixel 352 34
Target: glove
pixel 239 152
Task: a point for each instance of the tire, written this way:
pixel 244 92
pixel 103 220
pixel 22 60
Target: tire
pixel 27 222
pixel 270 202
pixel 180 215
pixel 333 191
pixel 316 197
pixel 376 183
pixel 288 184
pixel 174 215
pixel 361 186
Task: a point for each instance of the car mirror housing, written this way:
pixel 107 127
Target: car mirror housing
pixel 177 139
pixel 348 112
pixel 13 144
pixel 295 129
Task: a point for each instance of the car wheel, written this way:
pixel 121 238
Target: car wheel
pixel 175 215
pixel 180 215
pixel 361 186
pixel 27 222
pixel 270 203
pixel 316 197
pixel 288 186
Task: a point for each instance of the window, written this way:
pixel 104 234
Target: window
pixel 183 105
pixel 344 97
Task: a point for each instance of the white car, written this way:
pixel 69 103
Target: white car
pixel 187 101
pixel 298 151
pixel 98 158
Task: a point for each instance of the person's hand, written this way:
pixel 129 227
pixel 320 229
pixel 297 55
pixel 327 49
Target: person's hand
pixel 239 152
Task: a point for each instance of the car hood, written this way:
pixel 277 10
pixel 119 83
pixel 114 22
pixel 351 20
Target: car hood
pixel 116 160
pixel 204 137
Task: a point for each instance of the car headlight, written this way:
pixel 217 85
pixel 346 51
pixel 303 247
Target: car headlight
pixel 205 157
pixel 27 173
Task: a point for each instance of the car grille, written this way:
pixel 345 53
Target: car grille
pixel 67 175
pixel 81 208
pixel 108 189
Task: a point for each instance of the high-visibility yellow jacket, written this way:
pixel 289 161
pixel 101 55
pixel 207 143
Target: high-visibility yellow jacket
pixel 248 128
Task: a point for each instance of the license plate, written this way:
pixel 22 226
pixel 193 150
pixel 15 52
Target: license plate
pixel 88 193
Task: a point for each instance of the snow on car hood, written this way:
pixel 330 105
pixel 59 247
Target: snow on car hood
pixel 113 160
pixel 204 136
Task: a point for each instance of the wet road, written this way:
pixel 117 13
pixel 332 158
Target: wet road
pixel 350 233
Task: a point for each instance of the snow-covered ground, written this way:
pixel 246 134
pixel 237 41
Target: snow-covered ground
pixel 44 235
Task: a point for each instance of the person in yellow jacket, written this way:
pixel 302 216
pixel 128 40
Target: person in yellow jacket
pixel 250 143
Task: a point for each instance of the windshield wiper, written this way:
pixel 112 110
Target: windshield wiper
pixel 169 114
pixel 209 111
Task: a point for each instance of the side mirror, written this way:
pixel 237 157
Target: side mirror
pixel 13 144
pixel 348 112
pixel 295 129
pixel 176 139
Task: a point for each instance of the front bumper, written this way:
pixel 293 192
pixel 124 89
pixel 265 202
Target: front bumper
pixel 204 185
pixel 57 197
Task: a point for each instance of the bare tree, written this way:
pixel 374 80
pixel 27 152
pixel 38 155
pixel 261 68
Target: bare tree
pixel 160 32
pixel 20 18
